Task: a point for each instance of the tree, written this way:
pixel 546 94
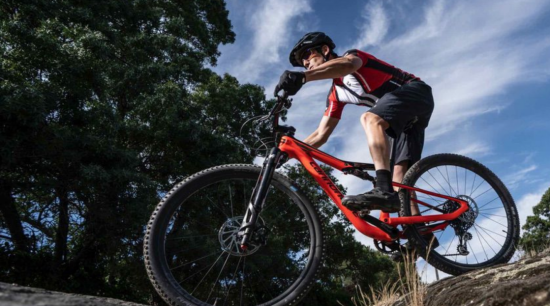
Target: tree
pixel 103 105
pixel 537 228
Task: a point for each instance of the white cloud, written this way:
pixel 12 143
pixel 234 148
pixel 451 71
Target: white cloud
pixel 513 179
pixel 375 27
pixel 473 149
pixel 271 24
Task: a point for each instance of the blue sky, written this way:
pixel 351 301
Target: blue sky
pixel 487 61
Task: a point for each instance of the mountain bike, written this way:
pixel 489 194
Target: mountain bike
pixel 246 235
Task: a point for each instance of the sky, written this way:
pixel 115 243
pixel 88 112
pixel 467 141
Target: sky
pixel 487 62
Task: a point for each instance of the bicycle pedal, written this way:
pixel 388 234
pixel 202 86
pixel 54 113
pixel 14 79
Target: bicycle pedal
pixel 364 212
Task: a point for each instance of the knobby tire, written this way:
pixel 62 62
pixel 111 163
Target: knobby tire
pixel 495 230
pixel 204 205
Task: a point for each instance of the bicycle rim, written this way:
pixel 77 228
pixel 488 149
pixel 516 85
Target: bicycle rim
pixel 201 253
pixel 484 235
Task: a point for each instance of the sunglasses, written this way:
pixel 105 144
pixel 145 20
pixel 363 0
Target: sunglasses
pixel 307 55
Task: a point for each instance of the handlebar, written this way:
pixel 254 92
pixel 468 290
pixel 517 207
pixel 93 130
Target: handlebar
pixel 282 101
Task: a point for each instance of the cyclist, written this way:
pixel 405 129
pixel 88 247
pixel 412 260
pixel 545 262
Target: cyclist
pixel 401 106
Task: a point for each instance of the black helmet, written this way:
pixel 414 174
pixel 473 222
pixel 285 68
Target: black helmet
pixel 309 40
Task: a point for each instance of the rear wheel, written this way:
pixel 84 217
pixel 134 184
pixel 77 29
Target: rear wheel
pixel 192 251
pixel 485 235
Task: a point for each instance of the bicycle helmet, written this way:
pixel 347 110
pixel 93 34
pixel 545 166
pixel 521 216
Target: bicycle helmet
pixel 310 40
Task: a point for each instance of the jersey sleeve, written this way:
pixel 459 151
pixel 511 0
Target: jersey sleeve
pixel 334 106
pixel 359 54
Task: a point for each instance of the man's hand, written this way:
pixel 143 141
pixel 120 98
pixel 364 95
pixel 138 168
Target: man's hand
pixel 290 82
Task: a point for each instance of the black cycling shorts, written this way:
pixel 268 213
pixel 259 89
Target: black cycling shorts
pixel 408 110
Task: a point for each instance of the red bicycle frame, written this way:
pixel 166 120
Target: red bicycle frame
pixel 307 156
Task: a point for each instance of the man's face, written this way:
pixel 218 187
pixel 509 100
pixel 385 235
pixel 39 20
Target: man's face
pixel 311 59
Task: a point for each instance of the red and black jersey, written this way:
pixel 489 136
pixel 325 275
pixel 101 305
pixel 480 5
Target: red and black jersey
pixel 365 86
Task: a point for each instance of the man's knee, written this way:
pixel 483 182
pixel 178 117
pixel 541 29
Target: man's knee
pixel 371 119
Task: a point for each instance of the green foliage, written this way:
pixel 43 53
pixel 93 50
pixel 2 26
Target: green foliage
pixel 104 104
pixel 537 228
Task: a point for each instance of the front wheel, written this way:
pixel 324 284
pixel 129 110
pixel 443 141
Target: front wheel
pixel 191 246
pixel 483 236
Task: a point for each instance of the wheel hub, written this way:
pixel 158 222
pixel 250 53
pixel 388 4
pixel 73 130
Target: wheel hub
pixel 467 219
pixel 464 222
pixel 230 237
pixel 470 215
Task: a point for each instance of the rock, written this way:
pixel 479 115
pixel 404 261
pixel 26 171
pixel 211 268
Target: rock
pixel 14 295
pixel 526 282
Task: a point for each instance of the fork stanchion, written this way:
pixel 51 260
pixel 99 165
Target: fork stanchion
pixel 258 198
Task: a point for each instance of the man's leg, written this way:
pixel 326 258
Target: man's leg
pixel 399 171
pixel 383 196
pixel 375 128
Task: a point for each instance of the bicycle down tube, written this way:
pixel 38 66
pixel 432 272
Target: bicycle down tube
pixel 307 156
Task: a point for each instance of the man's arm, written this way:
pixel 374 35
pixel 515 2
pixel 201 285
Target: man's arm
pixel 321 135
pixel 335 68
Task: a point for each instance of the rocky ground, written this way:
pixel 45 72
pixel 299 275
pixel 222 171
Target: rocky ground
pixel 14 295
pixel 525 282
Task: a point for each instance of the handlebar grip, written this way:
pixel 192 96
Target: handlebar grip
pixel 283 96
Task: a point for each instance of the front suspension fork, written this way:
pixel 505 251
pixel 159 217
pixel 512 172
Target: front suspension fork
pixel 259 194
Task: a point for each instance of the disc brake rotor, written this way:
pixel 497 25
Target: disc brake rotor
pixel 230 238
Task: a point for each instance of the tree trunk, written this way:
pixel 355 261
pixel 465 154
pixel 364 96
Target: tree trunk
pixel 62 227
pixel 12 218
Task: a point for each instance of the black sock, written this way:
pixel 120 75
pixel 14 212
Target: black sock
pixel 383 180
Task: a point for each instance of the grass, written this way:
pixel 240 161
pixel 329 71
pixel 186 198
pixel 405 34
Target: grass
pixel 530 251
pixel 409 287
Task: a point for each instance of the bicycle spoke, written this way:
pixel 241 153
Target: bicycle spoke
pixel 447 250
pixel 216 205
pixel 493 216
pixel 219 274
pixel 488 230
pixel 183 265
pixel 497 222
pixel 231 201
pixel 477 188
pixel 481 243
pixel 207 273
pixel 425 188
pixel 471 189
pixel 473 252
pixel 457 187
pixel 192 236
pixel 437 181
pixel 483 237
pixel 491 208
pixel 465 175
pixel 485 230
pixel 490 188
pixel 448 181
pixel 429 197
pixel 234 279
